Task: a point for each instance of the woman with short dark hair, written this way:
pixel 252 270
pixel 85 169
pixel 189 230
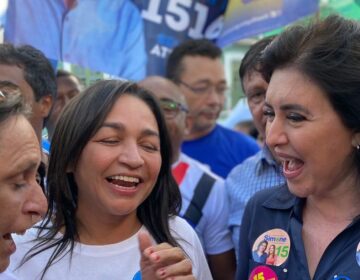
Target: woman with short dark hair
pixel 313 127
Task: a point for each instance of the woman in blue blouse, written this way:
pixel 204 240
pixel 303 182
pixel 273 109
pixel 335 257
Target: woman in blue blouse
pixel 313 127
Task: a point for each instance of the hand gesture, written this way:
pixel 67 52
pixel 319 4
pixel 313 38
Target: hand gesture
pixel 163 261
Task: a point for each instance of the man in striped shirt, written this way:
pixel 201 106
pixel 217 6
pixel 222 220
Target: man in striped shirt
pixel 204 201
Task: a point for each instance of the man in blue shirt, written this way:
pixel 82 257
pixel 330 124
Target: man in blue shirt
pixel 105 36
pixel 260 171
pixel 196 67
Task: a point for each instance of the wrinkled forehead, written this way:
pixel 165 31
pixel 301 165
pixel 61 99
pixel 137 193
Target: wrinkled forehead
pixel 172 97
pixel 15 75
pixel 16 136
pixel 165 90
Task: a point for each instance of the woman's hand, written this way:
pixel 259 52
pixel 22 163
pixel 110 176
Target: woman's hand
pixel 163 261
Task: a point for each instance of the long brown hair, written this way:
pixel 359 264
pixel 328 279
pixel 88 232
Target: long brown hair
pixel 81 119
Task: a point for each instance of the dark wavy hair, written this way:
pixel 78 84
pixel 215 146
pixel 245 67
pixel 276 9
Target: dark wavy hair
pixel 251 60
pixel 79 122
pixel 328 52
pixel 38 72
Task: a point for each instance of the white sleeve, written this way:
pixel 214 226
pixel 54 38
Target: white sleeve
pixel 7 275
pixel 190 243
pixel 217 235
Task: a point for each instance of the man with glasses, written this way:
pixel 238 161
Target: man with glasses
pixel 260 171
pixel 204 201
pixel 196 67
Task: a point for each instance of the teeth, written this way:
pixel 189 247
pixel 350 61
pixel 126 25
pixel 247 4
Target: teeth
pixel 20 232
pixel 292 164
pixel 126 179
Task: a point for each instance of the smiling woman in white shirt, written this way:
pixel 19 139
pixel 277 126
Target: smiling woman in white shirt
pixel 109 179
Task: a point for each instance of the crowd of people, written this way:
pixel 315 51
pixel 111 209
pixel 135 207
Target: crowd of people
pixel 138 180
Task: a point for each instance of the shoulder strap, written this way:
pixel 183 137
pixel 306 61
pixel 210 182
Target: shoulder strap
pixel 203 188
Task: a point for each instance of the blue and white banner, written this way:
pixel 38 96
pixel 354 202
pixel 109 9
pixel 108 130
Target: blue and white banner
pixel 132 39
pixel 169 22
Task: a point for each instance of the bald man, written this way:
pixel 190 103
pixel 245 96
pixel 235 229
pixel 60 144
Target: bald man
pixel 204 200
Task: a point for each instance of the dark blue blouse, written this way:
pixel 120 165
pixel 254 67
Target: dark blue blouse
pixel 277 210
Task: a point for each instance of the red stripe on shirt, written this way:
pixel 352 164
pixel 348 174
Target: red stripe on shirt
pixel 179 172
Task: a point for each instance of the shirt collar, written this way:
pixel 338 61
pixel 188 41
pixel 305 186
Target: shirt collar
pixel 265 160
pixel 281 199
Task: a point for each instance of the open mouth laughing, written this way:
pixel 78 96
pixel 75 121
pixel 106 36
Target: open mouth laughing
pixel 122 181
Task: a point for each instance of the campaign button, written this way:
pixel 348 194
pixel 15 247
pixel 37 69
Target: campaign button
pixel 263 273
pixel 272 247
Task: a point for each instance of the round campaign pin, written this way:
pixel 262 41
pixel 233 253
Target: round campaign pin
pixel 341 277
pixel 358 254
pixel 272 247
pixel 263 273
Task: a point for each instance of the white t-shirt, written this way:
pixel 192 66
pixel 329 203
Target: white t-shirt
pixel 120 261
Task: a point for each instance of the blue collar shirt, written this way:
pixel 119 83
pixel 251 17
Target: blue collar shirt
pixel 278 209
pixel 257 173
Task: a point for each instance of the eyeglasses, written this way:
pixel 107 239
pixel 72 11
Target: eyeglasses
pixel 171 108
pixel 206 89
